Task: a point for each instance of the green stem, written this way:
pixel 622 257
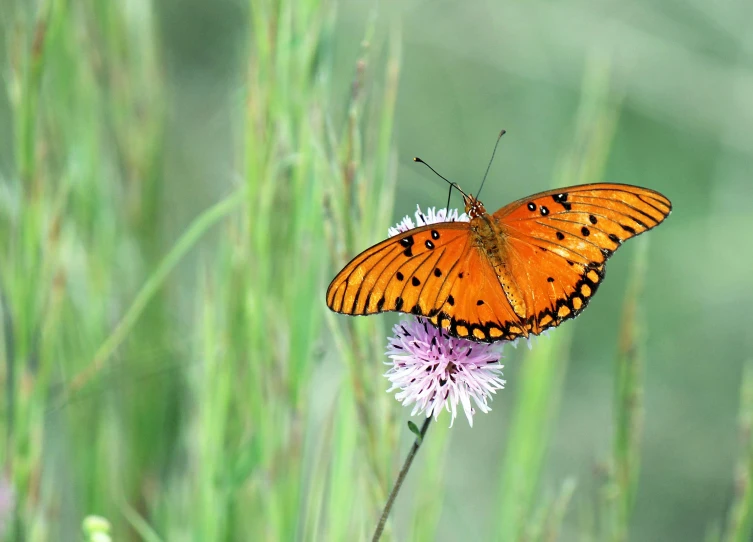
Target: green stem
pixel 187 241
pixel 400 478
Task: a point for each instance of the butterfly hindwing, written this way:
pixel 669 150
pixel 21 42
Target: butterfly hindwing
pixel 555 289
pixel 471 305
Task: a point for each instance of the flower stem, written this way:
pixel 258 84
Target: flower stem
pixel 400 478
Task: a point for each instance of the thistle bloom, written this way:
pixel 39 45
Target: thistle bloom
pixel 434 371
pixel 431 217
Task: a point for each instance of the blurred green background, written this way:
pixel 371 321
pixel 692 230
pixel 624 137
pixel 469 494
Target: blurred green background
pixel 181 179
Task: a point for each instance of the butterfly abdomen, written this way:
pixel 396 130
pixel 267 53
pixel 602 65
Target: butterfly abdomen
pixel 486 237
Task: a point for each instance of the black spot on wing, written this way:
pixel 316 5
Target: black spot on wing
pixel 562 200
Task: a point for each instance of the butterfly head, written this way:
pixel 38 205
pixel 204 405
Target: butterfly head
pixel 473 207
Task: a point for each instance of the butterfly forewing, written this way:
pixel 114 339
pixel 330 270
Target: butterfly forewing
pixel 587 217
pixel 405 273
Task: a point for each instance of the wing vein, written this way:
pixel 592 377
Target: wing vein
pixel 660 211
pixel 627 205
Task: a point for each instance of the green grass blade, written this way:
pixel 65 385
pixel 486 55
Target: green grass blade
pixel 185 243
pixel 740 521
pixel 628 405
pixel 538 386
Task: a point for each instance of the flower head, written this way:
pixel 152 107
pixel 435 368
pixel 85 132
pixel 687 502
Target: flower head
pixel 436 371
pixel 431 216
pixel 432 370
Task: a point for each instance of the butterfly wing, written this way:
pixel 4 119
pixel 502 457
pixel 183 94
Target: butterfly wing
pixel 433 271
pixel 558 242
pixel 404 273
pixel 472 304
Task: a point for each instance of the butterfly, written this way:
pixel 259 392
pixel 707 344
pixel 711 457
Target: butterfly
pixel 528 267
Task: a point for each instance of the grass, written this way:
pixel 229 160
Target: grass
pixel 171 366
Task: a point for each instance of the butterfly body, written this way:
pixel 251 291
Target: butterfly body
pixel 519 271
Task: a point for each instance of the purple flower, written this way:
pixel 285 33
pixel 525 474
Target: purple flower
pixel 434 371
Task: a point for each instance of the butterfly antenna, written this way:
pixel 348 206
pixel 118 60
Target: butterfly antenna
pixel 503 132
pixel 449 197
pixel 452 184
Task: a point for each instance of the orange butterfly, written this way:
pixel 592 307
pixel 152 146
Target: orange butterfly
pixel 524 269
